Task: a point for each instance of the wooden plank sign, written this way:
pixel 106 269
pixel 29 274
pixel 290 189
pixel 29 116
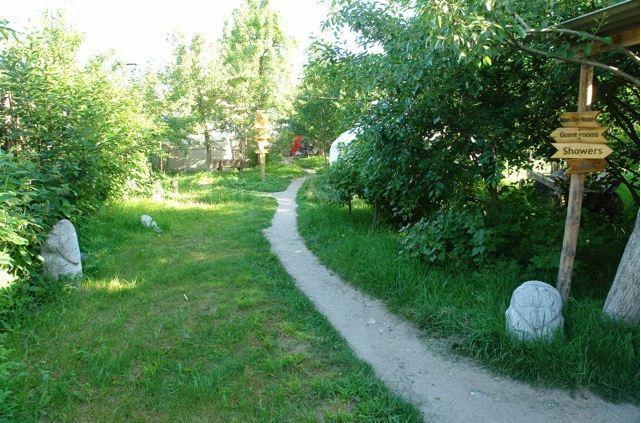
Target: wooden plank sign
pixel 581 151
pixel 586 166
pixel 580 119
pixel 579 135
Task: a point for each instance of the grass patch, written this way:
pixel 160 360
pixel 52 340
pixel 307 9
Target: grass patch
pixel 312 162
pixel 278 176
pixel 198 323
pixel 466 306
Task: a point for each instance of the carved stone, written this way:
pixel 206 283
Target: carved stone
pixel 534 312
pixel 61 252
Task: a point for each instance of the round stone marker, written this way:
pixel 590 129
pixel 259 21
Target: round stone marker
pixel 534 312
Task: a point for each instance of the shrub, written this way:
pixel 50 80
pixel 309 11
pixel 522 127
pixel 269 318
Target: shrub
pixel 70 138
pixel 30 202
pixel 455 233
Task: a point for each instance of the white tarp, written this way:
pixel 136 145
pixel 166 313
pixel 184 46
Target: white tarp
pixel 344 139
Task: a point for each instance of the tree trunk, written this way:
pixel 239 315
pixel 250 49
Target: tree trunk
pixel 623 299
pixel 161 167
pixel 210 156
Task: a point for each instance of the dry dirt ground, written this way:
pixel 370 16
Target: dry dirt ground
pixel 445 388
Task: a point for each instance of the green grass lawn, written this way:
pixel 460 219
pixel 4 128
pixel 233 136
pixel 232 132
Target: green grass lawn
pixel 312 162
pixel 466 306
pixel 278 177
pixel 198 323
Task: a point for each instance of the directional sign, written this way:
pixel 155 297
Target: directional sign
pixel 581 151
pixel 586 166
pixel 580 119
pixel 579 135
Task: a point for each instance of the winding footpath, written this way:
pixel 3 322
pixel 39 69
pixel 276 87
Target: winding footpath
pixel 445 388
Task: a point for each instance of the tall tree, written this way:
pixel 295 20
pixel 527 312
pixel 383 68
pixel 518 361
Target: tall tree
pixel 255 55
pixel 195 95
pixel 328 101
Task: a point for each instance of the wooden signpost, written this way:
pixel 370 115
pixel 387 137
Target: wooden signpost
pixel 581 142
pixel 262 140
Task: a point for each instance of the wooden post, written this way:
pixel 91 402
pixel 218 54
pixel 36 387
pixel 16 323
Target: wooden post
pixel 261 160
pixel 573 219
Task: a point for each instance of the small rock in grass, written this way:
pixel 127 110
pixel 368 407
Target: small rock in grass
pixel 149 222
pixel 61 253
pixel 534 312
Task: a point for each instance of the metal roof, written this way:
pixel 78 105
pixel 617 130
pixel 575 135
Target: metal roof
pixel 607 21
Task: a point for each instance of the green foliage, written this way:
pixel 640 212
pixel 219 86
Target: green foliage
pixel 210 91
pixel 30 200
pixel 447 103
pixel 451 234
pixel 194 97
pixel 327 103
pixel 70 139
pixel 255 59
pixel 83 123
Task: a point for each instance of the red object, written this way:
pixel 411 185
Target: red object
pixel 298 141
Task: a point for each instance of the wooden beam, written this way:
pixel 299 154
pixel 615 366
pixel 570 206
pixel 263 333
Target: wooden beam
pixel 625 38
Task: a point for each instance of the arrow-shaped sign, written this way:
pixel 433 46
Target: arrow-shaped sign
pixel 585 166
pixel 579 135
pixel 581 151
pixel 580 119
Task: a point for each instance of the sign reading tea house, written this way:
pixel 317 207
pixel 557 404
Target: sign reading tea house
pixel 580 119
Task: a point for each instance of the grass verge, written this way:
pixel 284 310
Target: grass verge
pixel 466 306
pixel 198 323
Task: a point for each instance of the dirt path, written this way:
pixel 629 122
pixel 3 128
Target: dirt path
pixel 446 389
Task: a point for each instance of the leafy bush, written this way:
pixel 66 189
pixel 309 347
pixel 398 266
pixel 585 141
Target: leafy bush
pixel 70 138
pixel 454 233
pixel 528 231
pixel 30 202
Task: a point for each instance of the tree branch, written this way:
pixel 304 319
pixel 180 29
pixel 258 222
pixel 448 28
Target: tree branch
pixel 587 35
pixel 609 68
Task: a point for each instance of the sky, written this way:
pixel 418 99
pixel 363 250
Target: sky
pixel 137 29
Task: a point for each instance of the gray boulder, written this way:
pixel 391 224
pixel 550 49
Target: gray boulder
pixel 534 312
pixel 61 253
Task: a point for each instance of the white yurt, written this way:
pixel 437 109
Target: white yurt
pixel 344 139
